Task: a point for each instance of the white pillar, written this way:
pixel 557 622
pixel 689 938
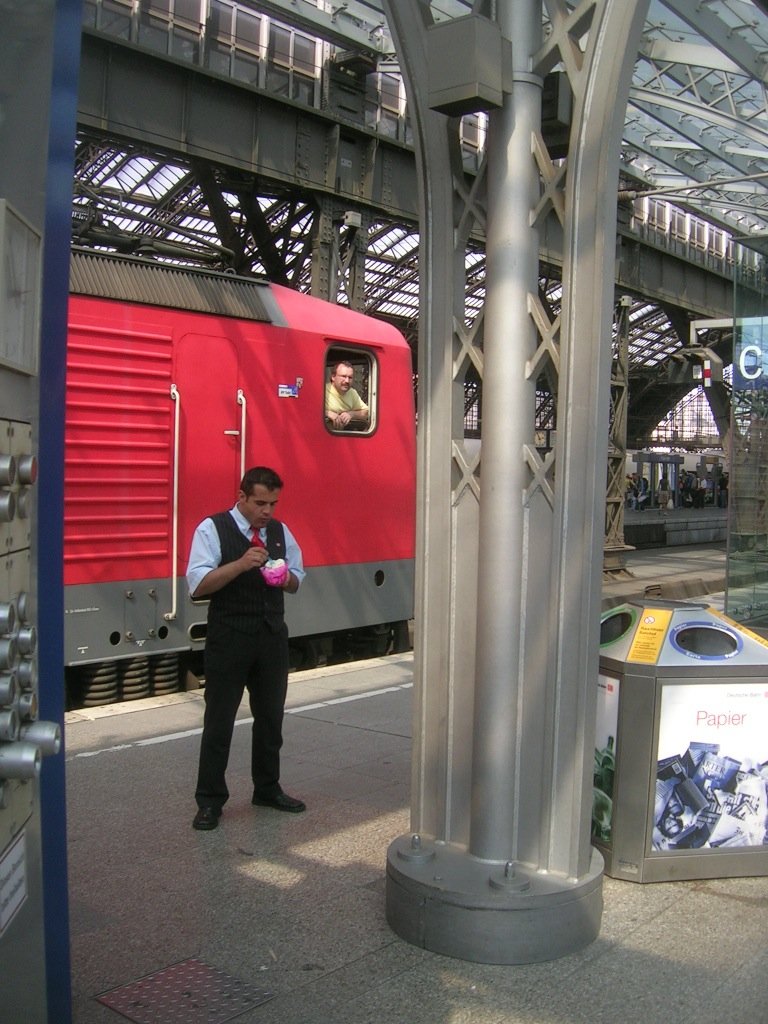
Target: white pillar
pixel 499 867
pixel 512 260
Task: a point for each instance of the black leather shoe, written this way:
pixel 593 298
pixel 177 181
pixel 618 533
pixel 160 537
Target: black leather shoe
pixel 281 802
pixel 206 819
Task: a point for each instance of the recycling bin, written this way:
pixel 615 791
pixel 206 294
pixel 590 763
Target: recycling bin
pixel 681 744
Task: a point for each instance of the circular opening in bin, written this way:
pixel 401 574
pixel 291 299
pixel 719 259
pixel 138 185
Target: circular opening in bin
pixel 703 640
pixel 615 625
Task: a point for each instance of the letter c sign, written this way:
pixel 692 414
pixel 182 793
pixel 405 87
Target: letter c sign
pixel 748 369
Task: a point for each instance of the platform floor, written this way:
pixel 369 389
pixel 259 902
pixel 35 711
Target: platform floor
pixel 279 919
pixel 668 572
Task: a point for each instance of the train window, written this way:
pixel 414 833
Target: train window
pixel 115 18
pixel 350 391
pixel 89 13
pixel 384 103
pixel 292 63
pixel 234 41
pixel 171 26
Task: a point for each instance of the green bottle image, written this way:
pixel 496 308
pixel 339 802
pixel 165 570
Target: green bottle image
pixel 602 791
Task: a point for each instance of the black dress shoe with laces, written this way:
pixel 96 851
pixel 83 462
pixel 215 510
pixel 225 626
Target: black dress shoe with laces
pixel 206 819
pixel 280 802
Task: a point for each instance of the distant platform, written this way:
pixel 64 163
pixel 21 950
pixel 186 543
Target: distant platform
pixel 658 528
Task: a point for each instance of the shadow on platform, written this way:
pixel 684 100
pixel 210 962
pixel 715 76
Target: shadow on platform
pixel 286 912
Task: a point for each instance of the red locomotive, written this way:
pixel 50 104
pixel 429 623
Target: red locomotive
pixel 177 381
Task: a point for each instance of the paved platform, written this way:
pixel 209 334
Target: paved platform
pixel 279 919
pixel 676 573
pixel 657 527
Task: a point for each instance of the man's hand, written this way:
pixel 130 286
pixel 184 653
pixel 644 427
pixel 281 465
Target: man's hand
pixel 253 558
pixel 275 572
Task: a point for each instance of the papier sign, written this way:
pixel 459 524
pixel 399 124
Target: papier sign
pixel 712 767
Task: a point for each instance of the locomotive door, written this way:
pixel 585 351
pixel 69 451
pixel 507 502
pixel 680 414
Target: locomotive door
pixel 210 432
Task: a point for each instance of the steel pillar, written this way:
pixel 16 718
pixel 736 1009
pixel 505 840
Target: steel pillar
pixel 339 246
pixel 614 562
pixel 498 867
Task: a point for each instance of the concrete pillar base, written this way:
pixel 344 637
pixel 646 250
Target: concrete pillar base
pixel 441 898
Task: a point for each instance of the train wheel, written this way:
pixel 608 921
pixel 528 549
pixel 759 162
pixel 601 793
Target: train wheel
pixel 378 640
pixel 134 679
pixel 94 685
pixel 401 637
pixel 165 674
pixel 304 654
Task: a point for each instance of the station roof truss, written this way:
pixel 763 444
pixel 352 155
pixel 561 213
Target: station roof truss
pixel 695 136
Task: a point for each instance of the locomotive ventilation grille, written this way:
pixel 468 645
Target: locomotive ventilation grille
pixel 131 279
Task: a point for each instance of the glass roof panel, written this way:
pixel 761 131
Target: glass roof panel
pixel 696 135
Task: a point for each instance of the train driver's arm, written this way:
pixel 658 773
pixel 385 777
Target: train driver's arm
pixel 357 412
pixel 339 420
pixel 359 415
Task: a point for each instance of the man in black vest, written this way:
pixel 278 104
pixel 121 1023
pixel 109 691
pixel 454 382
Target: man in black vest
pixel 244 561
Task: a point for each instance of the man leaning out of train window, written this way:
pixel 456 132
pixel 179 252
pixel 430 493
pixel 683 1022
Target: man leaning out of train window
pixel 343 404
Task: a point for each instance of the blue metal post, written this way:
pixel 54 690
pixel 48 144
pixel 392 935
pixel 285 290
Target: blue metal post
pixel 58 229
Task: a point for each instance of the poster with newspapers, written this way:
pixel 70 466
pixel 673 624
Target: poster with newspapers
pixel 606 725
pixel 712 767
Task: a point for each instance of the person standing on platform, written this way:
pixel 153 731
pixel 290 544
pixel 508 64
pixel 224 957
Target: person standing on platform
pixel 699 492
pixel 630 489
pixel 245 561
pixel 686 490
pixel 709 489
pixel 643 494
pixel 663 494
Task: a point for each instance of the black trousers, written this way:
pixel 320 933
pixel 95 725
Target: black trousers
pixel 235 661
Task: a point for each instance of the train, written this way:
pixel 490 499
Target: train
pixel 179 379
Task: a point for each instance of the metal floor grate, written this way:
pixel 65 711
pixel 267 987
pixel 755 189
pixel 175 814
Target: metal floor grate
pixel 189 992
